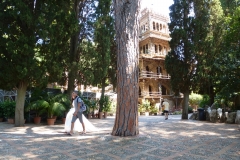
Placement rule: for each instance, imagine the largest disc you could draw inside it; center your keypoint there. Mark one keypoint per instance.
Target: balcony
(150, 75)
(152, 55)
(154, 95)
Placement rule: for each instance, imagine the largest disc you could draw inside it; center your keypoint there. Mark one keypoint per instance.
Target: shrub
(195, 99)
(9, 109)
(205, 101)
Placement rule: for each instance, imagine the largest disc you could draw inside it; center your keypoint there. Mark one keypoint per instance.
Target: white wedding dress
(77, 125)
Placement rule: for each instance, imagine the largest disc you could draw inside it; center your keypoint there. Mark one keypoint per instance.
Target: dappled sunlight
(156, 135)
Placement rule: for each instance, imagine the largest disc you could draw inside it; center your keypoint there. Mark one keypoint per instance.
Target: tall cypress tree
(188, 19)
(103, 37)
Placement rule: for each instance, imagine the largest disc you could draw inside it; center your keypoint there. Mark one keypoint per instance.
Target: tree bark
(185, 105)
(73, 53)
(19, 110)
(102, 95)
(127, 24)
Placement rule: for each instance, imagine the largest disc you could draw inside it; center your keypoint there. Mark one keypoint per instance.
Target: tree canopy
(33, 43)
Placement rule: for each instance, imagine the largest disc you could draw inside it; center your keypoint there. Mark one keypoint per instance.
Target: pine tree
(127, 26)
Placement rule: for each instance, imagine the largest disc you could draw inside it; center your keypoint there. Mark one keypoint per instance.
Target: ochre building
(154, 81)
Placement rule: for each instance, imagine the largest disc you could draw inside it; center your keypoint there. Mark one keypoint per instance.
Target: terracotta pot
(54, 117)
(50, 121)
(63, 120)
(10, 120)
(1, 119)
(100, 115)
(37, 120)
(105, 114)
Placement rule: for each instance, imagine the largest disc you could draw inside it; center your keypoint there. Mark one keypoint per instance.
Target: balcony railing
(153, 94)
(148, 74)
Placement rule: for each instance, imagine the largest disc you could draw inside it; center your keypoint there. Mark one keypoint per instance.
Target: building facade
(154, 81)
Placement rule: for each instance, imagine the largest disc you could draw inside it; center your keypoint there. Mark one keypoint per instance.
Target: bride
(77, 125)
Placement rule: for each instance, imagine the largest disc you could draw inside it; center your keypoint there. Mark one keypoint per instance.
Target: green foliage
(204, 102)
(51, 105)
(22, 25)
(145, 106)
(39, 106)
(153, 110)
(64, 99)
(54, 108)
(229, 6)
(1, 110)
(91, 105)
(141, 108)
(195, 99)
(107, 104)
(34, 39)
(8, 108)
(227, 62)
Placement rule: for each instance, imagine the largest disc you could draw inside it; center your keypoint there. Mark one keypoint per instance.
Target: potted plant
(9, 110)
(141, 109)
(54, 109)
(154, 111)
(65, 101)
(146, 106)
(39, 107)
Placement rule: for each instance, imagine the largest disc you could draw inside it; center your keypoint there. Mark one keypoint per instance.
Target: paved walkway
(172, 139)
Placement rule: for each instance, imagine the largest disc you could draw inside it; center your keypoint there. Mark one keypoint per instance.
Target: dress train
(89, 127)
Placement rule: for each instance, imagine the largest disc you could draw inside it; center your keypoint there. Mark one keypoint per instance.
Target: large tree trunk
(103, 83)
(19, 110)
(73, 54)
(127, 24)
(185, 105)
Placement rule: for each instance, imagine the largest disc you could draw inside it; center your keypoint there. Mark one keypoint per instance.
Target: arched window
(164, 90)
(164, 51)
(147, 69)
(156, 49)
(139, 91)
(146, 48)
(160, 89)
(160, 48)
(160, 27)
(146, 27)
(157, 26)
(159, 70)
(164, 29)
(153, 25)
(150, 90)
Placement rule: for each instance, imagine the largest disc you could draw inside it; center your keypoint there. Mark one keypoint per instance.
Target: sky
(160, 6)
